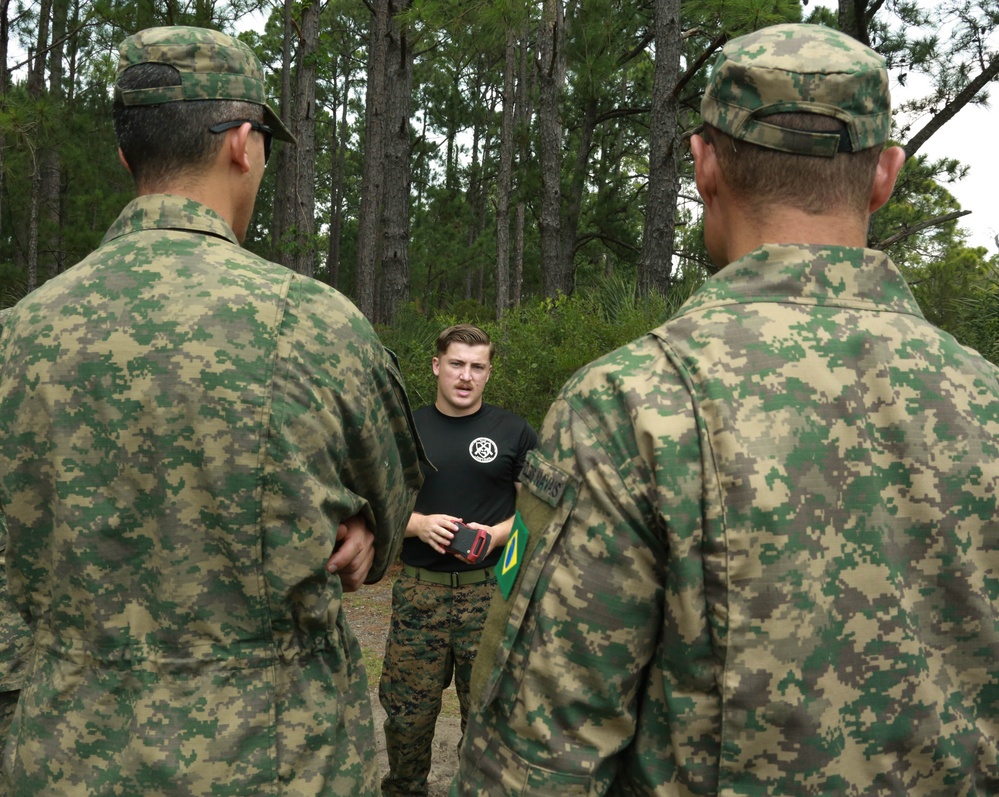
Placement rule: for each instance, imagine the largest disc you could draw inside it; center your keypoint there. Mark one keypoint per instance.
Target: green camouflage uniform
(183, 425)
(763, 555)
(15, 639)
(433, 638)
(15, 643)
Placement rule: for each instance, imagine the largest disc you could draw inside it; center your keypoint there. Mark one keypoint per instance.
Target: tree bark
(33, 213)
(482, 200)
(4, 89)
(504, 180)
(341, 138)
(655, 266)
(36, 87)
(475, 196)
(551, 79)
(517, 280)
(373, 169)
(284, 158)
(853, 19)
(398, 168)
(524, 112)
(471, 202)
(574, 196)
(36, 69)
(300, 236)
(53, 176)
(451, 135)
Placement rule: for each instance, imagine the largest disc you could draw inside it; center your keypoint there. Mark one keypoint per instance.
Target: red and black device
(470, 543)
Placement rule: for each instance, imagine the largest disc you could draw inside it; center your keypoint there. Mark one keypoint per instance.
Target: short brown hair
(161, 141)
(767, 177)
(469, 334)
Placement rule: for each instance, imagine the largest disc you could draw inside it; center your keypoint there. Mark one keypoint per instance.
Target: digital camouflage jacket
(182, 427)
(14, 635)
(15, 638)
(763, 556)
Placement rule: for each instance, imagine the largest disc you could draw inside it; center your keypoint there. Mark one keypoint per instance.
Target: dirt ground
(368, 612)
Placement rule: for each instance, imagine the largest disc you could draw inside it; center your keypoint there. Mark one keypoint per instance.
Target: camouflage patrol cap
(798, 68)
(211, 66)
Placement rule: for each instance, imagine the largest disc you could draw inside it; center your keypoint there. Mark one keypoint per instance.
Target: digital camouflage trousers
(434, 636)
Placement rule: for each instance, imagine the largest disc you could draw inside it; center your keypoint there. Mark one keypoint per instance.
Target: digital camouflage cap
(799, 68)
(211, 66)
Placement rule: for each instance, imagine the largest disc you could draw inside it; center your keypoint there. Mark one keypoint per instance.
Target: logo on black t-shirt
(483, 449)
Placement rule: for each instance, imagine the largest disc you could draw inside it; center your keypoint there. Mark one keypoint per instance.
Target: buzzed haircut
(161, 141)
(767, 177)
(469, 334)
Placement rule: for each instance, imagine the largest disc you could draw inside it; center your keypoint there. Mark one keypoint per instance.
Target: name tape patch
(544, 480)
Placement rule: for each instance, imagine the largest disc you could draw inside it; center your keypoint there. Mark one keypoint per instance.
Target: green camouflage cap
(212, 66)
(799, 68)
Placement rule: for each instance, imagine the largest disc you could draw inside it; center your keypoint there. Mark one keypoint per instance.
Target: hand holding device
(470, 543)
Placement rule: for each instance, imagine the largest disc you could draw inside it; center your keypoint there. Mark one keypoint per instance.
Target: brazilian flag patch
(513, 556)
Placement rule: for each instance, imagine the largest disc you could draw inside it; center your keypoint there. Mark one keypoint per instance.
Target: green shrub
(539, 344)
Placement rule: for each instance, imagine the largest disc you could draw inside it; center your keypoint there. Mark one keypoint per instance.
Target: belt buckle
(455, 579)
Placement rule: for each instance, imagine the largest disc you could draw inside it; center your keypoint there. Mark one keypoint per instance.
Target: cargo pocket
(509, 774)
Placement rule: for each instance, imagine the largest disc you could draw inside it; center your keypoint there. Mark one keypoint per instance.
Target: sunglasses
(260, 128)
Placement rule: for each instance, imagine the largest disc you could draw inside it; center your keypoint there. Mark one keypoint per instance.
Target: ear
(236, 144)
(889, 165)
(121, 157)
(705, 169)
(436, 366)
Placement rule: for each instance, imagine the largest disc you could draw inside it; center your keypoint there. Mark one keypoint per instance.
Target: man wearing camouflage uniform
(186, 433)
(764, 543)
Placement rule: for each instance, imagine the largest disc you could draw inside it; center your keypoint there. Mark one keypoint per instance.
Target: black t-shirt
(477, 459)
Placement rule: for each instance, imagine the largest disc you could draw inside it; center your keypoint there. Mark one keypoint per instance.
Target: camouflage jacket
(763, 556)
(15, 638)
(182, 427)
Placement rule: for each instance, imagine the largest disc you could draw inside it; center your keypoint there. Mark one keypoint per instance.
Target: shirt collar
(169, 212)
(810, 274)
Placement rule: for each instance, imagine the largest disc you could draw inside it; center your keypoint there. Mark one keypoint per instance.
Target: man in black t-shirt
(440, 602)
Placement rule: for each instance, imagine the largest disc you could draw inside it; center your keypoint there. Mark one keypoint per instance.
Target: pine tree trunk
(504, 181)
(471, 194)
(574, 197)
(36, 87)
(373, 169)
(655, 266)
(303, 221)
(852, 19)
(551, 78)
(341, 138)
(479, 202)
(35, 201)
(524, 112)
(516, 289)
(398, 166)
(284, 157)
(53, 182)
(4, 89)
